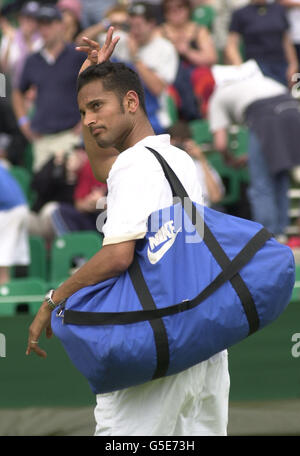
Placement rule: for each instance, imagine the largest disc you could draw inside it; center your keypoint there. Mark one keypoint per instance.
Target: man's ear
(131, 101)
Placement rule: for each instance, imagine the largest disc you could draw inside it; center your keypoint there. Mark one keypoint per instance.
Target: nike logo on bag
(166, 235)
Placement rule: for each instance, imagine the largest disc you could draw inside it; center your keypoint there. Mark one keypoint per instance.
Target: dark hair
(187, 3)
(115, 77)
(143, 9)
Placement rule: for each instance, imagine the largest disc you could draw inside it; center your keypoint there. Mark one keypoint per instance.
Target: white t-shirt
(161, 57)
(137, 187)
(232, 97)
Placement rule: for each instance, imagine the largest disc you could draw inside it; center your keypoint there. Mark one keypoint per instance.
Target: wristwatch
(48, 298)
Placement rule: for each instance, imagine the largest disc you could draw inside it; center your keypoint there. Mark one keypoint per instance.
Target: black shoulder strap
(215, 248)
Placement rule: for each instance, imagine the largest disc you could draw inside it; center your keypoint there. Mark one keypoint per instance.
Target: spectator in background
(12, 6)
(71, 13)
(195, 48)
(223, 12)
(82, 214)
(55, 124)
(116, 17)
(244, 95)
(14, 244)
(293, 15)
(155, 60)
(93, 11)
(209, 179)
(141, 47)
(54, 184)
(263, 27)
(156, 6)
(153, 57)
(17, 43)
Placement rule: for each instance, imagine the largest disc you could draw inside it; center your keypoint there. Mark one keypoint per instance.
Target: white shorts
(191, 403)
(14, 244)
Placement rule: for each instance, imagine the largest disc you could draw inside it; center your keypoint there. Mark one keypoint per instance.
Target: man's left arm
(111, 261)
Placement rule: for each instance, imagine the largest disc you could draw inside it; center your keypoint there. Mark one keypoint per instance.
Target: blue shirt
(262, 28)
(11, 194)
(56, 106)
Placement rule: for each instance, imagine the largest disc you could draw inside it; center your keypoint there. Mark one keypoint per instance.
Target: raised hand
(95, 54)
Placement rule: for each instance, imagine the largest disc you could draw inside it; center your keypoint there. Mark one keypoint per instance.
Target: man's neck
(137, 133)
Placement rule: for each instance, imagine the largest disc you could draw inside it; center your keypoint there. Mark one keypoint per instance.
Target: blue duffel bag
(201, 281)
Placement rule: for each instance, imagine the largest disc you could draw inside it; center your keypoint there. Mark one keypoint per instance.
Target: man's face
(28, 25)
(140, 29)
(102, 113)
(51, 32)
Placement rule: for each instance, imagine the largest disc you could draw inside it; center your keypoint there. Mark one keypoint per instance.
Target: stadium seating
(22, 291)
(38, 266)
(83, 244)
(23, 176)
(38, 258)
(46, 271)
(237, 140)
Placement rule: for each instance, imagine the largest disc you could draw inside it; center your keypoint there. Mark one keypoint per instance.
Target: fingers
(113, 44)
(90, 43)
(41, 321)
(33, 346)
(83, 48)
(107, 49)
(92, 49)
(110, 43)
(109, 36)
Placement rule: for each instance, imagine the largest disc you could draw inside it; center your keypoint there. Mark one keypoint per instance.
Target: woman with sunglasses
(194, 45)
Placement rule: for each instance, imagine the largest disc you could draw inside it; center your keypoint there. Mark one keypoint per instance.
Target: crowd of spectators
(172, 44)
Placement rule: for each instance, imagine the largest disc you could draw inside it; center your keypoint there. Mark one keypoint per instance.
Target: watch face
(48, 296)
